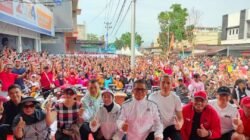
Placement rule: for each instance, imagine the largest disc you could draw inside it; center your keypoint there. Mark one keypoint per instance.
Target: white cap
(108, 91)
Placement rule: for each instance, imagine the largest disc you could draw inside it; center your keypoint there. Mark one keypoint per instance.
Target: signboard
(44, 20)
(58, 2)
(35, 17)
(7, 7)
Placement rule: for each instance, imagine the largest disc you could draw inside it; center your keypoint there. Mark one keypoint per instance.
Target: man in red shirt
(47, 79)
(245, 116)
(7, 77)
(201, 121)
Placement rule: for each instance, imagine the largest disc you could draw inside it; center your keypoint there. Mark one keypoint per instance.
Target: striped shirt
(66, 116)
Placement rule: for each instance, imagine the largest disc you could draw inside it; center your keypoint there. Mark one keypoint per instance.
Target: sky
(96, 12)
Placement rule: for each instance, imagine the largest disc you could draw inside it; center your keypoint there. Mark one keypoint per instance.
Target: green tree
(92, 37)
(172, 21)
(125, 40)
(118, 43)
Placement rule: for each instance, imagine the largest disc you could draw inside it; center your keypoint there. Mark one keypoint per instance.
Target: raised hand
(202, 132)
(93, 123)
(238, 124)
(1, 107)
(48, 105)
(125, 126)
(21, 123)
(81, 110)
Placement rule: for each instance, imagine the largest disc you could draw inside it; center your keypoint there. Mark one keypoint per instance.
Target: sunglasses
(29, 106)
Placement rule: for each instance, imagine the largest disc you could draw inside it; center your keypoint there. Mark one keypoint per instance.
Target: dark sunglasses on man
(29, 106)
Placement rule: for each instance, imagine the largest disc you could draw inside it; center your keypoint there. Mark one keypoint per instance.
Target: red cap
(200, 94)
(246, 101)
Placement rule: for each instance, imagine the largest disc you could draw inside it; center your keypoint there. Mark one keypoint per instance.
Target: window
(233, 32)
(229, 32)
(237, 31)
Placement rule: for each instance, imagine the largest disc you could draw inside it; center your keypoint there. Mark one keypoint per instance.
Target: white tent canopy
(120, 51)
(127, 52)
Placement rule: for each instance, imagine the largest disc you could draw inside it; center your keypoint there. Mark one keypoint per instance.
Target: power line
(110, 9)
(123, 5)
(99, 14)
(107, 7)
(113, 17)
(124, 17)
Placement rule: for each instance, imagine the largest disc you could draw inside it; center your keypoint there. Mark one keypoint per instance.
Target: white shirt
(167, 105)
(107, 122)
(196, 86)
(226, 115)
(142, 117)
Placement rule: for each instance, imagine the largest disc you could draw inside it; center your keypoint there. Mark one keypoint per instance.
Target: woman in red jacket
(201, 121)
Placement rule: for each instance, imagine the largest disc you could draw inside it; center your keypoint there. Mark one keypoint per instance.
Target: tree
(92, 37)
(192, 23)
(118, 43)
(194, 17)
(193, 20)
(190, 33)
(125, 40)
(172, 21)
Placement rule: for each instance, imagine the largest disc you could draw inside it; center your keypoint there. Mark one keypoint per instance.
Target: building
(204, 38)
(236, 32)
(87, 44)
(23, 24)
(65, 19)
(207, 36)
(81, 29)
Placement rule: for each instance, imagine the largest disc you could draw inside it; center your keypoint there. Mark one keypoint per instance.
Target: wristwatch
(209, 134)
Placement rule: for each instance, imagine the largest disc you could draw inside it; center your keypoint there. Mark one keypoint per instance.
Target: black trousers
(226, 136)
(85, 131)
(150, 136)
(5, 129)
(169, 132)
(60, 136)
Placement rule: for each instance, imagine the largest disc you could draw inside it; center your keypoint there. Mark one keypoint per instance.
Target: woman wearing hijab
(32, 123)
(104, 123)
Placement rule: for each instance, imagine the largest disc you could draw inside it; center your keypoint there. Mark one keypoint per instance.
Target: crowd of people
(198, 98)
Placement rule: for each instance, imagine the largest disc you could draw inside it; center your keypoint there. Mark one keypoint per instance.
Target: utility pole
(107, 26)
(168, 40)
(133, 19)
